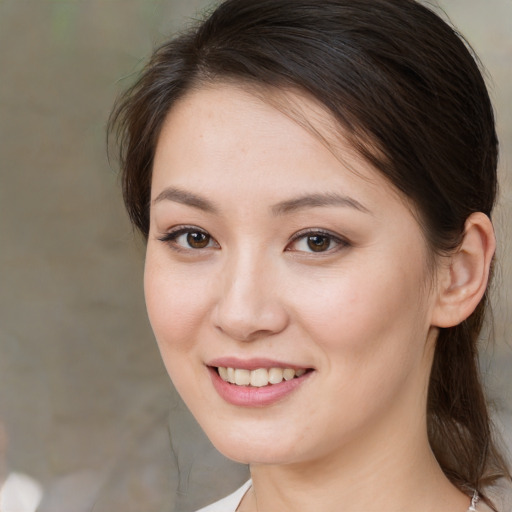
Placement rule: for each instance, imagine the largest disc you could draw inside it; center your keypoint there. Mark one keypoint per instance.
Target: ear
(463, 281)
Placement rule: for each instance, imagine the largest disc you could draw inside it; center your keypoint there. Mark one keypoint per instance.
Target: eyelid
(173, 233)
(338, 239)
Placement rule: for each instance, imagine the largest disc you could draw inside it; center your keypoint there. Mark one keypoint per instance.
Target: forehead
(214, 117)
(242, 132)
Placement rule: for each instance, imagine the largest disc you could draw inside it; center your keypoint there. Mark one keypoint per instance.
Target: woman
(315, 182)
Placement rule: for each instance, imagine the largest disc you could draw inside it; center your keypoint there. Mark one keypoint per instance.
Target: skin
(362, 315)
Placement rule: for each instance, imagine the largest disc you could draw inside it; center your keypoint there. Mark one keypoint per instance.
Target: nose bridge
(249, 304)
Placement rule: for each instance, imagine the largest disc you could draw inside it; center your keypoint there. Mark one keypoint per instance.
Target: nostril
(239, 333)
(247, 310)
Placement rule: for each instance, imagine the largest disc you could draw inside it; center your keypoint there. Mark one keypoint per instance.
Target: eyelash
(172, 236)
(309, 233)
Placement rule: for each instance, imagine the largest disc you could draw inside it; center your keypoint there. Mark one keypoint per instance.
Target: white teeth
(242, 377)
(275, 375)
(223, 372)
(288, 374)
(258, 378)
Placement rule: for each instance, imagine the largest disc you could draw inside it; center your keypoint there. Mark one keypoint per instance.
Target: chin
(247, 447)
(248, 453)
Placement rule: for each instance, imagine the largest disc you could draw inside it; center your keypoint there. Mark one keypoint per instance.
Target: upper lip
(253, 363)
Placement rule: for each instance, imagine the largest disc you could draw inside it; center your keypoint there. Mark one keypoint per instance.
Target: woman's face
(302, 279)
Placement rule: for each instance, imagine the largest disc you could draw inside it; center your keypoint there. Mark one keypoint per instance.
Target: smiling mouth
(260, 377)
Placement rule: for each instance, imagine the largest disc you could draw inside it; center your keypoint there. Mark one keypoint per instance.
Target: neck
(393, 469)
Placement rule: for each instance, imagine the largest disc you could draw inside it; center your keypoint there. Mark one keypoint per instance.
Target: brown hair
(392, 73)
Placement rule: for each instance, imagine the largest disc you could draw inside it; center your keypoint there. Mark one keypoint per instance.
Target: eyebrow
(186, 198)
(282, 208)
(317, 200)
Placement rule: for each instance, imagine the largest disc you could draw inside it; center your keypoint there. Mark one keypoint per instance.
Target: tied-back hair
(409, 96)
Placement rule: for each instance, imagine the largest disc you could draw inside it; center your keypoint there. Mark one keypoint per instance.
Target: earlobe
(464, 280)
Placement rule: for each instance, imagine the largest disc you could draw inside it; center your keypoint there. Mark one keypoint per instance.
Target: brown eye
(318, 243)
(198, 240)
(188, 237)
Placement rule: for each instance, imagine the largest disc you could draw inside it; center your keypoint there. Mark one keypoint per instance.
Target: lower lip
(249, 396)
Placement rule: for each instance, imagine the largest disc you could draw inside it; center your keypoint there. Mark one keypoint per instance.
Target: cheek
(174, 303)
(374, 314)
(176, 308)
(371, 329)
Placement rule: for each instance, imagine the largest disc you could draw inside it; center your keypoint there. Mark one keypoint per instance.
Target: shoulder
(229, 503)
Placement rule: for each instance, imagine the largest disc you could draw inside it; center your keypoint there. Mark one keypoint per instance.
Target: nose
(250, 304)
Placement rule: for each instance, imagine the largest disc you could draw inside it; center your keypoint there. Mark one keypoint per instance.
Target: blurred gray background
(85, 403)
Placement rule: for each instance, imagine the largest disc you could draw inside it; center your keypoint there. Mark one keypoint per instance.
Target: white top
(232, 502)
(229, 503)
(20, 493)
